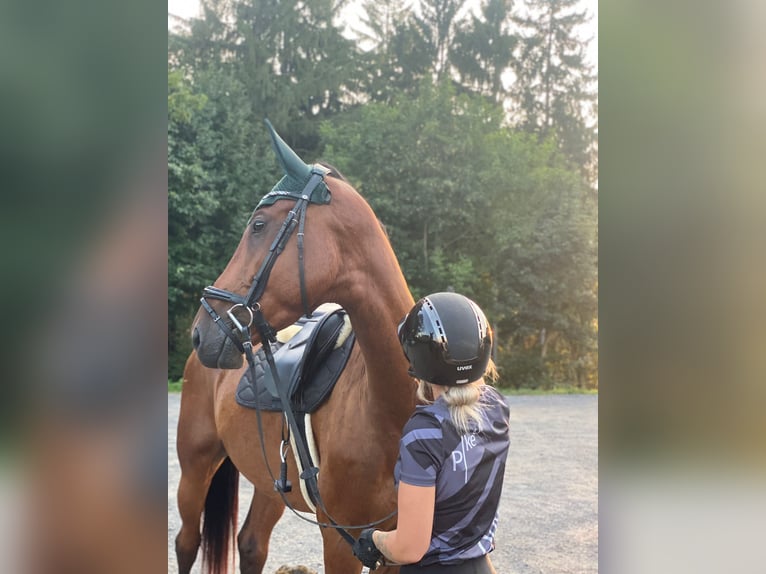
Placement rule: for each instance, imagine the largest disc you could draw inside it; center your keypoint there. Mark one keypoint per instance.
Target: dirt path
(549, 508)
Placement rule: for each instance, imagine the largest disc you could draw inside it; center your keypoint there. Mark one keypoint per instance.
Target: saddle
(309, 363)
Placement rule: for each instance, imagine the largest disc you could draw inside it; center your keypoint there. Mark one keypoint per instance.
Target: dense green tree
(553, 89)
(391, 48)
(438, 23)
(296, 64)
(189, 203)
(483, 49)
(486, 211)
(411, 57)
(442, 40)
(213, 177)
(419, 164)
(412, 40)
(545, 264)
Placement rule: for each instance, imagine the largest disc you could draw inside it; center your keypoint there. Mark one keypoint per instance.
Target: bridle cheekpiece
(314, 191)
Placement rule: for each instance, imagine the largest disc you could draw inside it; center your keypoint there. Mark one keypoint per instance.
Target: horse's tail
(220, 522)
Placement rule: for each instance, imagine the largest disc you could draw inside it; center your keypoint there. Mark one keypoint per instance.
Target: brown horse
(349, 261)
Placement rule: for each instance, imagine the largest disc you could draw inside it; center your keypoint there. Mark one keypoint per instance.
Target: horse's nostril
(195, 338)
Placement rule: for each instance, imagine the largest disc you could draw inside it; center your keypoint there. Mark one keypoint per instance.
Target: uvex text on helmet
(446, 339)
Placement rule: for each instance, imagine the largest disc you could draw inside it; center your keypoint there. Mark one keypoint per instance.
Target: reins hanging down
(242, 340)
(309, 475)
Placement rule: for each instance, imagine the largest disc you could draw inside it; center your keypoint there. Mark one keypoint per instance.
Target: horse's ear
(297, 175)
(292, 165)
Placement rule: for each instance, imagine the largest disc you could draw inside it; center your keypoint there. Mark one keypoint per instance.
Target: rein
(243, 342)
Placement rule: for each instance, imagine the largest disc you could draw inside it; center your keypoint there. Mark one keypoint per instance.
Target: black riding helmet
(446, 339)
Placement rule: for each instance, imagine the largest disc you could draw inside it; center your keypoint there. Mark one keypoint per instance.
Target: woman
(453, 449)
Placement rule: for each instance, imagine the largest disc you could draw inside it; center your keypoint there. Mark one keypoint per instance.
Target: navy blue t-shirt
(466, 470)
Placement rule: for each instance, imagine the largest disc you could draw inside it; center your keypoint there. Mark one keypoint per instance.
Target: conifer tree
(295, 62)
(390, 64)
(553, 88)
(438, 24)
(483, 50)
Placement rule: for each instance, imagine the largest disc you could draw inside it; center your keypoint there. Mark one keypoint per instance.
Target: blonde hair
(463, 400)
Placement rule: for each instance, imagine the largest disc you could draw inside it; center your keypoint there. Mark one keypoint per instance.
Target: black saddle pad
(308, 366)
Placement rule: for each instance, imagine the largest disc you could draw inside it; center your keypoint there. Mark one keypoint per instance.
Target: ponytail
(463, 400)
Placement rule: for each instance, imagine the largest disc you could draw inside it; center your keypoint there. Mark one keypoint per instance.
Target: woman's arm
(409, 542)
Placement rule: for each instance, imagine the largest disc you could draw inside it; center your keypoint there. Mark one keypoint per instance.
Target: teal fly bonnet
(297, 175)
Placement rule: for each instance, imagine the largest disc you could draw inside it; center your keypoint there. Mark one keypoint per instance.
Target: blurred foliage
(418, 123)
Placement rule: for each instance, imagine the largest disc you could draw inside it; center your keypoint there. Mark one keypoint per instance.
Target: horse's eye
(258, 225)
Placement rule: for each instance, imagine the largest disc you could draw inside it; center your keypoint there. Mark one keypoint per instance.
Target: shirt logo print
(467, 442)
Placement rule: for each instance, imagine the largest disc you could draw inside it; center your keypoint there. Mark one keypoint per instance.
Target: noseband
(250, 302)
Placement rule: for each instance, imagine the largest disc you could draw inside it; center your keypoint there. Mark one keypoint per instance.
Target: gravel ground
(548, 511)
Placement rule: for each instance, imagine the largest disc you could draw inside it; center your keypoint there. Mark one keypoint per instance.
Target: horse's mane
(334, 171)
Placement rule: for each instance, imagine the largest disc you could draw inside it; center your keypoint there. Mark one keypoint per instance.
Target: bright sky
(188, 8)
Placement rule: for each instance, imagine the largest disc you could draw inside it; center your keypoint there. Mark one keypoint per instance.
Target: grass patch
(174, 386)
(556, 390)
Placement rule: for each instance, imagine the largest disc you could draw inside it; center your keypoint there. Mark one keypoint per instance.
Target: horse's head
(287, 262)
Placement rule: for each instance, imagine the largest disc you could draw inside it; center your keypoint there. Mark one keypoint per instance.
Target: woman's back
(467, 471)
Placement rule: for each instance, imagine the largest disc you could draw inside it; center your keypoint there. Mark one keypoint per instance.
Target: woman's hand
(366, 551)
(412, 537)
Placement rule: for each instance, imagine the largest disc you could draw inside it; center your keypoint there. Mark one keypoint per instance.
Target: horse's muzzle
(214, 349)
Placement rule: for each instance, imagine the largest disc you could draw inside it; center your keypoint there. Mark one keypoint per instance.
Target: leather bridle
(251, 302)
(242, 339)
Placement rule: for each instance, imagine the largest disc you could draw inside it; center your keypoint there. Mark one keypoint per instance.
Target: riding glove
(366, 551)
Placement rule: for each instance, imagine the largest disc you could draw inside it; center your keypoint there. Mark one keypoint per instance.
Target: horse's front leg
(338, 558)
(253, 539)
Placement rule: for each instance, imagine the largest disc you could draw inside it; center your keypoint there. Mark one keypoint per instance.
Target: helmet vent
(436, 321)
(479, 321)
(424, 331)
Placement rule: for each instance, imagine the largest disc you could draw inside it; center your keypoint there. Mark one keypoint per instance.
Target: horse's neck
(375, 306)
